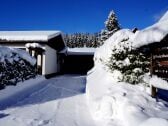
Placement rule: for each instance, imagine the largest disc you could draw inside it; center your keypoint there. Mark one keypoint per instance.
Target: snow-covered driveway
(61, 102)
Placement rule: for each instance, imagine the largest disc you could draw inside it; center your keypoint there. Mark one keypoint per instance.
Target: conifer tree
(112, 22)
(130, 62)
(111, 26)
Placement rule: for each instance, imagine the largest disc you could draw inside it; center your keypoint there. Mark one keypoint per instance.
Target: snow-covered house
(44, 45)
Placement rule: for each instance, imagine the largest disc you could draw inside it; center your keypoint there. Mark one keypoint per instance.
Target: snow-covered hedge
(15, 65)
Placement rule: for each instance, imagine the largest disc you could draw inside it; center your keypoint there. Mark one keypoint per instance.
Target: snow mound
(159, 83)
(154, 33)
(155, 122)
(104, 52)
(110, 101)
(164, 17)
(6, 53)
(121, 104)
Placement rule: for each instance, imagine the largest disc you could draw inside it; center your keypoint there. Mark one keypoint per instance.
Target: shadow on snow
(53, 89)
(2, 115)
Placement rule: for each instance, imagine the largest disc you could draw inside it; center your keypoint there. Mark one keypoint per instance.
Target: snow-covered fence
(159, 61)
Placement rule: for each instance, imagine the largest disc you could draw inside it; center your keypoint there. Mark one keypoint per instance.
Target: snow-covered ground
(115, 103)
(121, 104)
(62, 101)
(59, 102)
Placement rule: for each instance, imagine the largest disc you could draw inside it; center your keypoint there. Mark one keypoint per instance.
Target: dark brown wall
(57, 43)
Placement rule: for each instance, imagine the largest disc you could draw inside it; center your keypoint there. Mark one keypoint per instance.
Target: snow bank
(104, 52)
(155, 122)
(7, 53)
(12, 94)
(154, 33)
(121, 104)
(25, 55)
(110, 101)
(158, 83)
(164, 17)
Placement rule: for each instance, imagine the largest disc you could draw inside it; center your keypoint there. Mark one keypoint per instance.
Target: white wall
(49, 61)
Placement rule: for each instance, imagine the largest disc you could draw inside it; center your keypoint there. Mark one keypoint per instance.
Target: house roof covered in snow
(154, 33)
(28, 35)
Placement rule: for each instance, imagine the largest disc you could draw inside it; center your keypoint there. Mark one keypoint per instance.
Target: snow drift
(6, 54)
(118, 103)
(154, 33)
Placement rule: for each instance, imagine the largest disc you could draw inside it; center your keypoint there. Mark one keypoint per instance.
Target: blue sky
(72, 16)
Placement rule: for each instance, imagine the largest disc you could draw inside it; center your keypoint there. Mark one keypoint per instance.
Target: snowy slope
(61, 102)
(121, 104)
(113, 103)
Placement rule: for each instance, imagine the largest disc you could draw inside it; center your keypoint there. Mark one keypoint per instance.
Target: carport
(78, 60)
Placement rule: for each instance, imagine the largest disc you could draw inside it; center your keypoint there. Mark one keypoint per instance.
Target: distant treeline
(82, 40)
(97, 39)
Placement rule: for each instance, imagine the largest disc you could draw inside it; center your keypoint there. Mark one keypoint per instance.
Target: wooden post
(152, 64)
(153, 91)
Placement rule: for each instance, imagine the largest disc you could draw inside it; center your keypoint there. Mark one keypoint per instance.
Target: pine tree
(112, 22)
(130, 62)
(111, 26)
(81, 40)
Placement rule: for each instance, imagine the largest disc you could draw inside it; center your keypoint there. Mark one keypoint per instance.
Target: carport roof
(81, 51)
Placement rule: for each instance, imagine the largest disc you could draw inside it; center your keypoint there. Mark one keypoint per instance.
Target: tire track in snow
(69, 109)
(32, 94)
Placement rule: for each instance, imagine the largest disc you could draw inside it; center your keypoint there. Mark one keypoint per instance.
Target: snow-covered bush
(131, 62)
(15, 65)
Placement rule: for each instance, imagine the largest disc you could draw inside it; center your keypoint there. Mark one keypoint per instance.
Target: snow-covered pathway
(60, 103)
